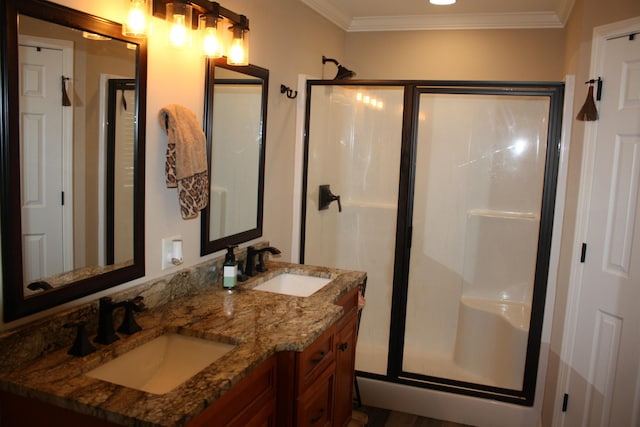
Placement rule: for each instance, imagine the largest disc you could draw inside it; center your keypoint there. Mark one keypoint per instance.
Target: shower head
(343, 72)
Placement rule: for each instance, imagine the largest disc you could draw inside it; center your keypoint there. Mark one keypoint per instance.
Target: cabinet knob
(343, 346)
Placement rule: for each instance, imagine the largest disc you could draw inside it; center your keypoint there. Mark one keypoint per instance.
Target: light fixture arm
(203, 7)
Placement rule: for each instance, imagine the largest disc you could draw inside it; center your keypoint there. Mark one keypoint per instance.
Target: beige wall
(519, 55)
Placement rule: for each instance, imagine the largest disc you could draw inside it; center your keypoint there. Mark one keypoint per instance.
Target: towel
(186, 158)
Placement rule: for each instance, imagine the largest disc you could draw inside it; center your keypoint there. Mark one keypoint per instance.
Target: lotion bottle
(229, 270)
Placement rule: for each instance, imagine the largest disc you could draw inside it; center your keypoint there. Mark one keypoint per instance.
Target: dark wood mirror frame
(15, 303)
(207, 245)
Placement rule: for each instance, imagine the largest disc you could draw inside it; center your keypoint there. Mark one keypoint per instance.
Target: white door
(604, 381)
(41, 122)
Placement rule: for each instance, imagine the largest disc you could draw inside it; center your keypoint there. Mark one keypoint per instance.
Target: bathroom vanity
(292, 363)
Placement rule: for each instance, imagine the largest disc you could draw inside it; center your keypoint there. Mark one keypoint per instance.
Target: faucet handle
(81, 345)
(129, 325)
(260, 266)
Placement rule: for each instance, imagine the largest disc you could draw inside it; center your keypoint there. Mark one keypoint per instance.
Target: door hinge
(565, 402)
(62, 198)
(583, 252)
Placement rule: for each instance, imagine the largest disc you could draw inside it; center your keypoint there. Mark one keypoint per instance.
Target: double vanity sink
(162, 364)
(192, 350)
(296, 285)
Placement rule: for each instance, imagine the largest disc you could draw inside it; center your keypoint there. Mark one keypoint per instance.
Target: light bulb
(179, 17)
(178, 32)
(137, 21)
(236, 53)
(239, 49)
(212, 45)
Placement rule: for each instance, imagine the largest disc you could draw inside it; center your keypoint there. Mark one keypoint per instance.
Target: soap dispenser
(229, 269)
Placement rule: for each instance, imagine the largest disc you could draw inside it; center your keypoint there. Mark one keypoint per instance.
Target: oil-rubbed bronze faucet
(129, 325)
(106, 331)
(81, 345)
(251, 268)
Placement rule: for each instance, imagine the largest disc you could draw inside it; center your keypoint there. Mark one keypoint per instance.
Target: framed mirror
(72, 154)
(235, 126)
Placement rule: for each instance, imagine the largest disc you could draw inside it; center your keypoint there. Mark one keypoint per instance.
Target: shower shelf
(503, 214)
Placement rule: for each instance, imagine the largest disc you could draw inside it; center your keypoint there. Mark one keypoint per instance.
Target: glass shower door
(479, 175)
(354, 140)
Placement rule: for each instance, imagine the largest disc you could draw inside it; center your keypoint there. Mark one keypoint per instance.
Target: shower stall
(444, 194)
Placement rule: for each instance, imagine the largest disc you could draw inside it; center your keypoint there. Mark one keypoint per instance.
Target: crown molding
(564, 10)
(330, 12)
(456, 22)
(443, 21)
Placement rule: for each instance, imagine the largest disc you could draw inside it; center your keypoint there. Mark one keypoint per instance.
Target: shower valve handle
(325, 197)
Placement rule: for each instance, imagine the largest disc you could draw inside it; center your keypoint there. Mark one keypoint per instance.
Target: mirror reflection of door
(120, 170)
(45, 131)
(88, 60)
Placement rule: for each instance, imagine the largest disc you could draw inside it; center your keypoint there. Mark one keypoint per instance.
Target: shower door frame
(412, 90)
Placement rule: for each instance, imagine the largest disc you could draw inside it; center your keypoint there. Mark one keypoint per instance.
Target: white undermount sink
(161, 364)
(298, 285)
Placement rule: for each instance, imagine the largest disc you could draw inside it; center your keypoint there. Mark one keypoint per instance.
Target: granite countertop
(258, 323)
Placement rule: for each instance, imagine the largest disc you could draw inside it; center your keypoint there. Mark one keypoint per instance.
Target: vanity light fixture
(220, 31)
(138, 22)
(442, 2)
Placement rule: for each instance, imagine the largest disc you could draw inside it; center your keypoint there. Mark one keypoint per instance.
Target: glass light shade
(179, 18)
(212, 43)
(138, 19)
(442, 2)
(239, 49)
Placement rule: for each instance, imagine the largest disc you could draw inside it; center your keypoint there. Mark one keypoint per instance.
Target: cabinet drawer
(315, 406)
(315, 359)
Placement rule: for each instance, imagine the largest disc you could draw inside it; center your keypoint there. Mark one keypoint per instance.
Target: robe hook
(291, 94)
